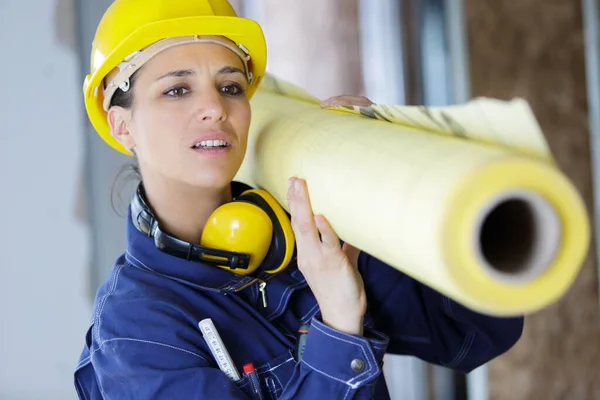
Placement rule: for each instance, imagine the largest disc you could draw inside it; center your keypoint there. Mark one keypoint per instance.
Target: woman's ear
(118, 119)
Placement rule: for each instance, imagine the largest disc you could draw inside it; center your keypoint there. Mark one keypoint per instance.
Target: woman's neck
(182, 210)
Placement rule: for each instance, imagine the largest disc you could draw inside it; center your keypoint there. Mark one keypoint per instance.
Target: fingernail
(298, 184)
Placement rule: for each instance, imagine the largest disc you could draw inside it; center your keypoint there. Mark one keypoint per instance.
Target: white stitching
(148, 342)
(311, 313)
(347, 393)
(265, 367)
(100, 305)
(359, 344)
(143, 266)
(351, 342)
(459, 352)
(105, 298)
(464, 350)
(279, 365)
(280, 388)
(81, 389)
(284, 297)
(467, 349)
(376, 336)
(135, 258)
(271, 386)
(448, 307)
(355, 385)
(83, 362)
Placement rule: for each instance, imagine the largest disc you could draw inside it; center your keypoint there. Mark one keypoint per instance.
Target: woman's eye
(177, 92)
(232, 90)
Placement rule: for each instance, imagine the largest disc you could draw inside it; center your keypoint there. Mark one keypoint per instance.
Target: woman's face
(190, 116)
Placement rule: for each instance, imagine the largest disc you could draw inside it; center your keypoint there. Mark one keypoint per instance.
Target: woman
(171, 84)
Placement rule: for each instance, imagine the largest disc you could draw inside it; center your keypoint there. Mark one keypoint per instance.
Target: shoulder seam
(100, 309)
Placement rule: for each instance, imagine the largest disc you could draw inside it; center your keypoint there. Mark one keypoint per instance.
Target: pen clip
(301, 341)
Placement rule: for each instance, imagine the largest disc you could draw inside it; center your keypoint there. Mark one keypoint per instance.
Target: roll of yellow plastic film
(465, 199)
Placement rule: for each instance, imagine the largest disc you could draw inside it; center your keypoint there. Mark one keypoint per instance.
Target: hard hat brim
(242, 31)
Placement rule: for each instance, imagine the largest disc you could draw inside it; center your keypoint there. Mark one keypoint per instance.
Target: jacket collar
(142, 253)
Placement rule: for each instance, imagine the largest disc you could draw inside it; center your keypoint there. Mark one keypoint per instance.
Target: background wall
(535, 49)
(315, 43)
(44, 306)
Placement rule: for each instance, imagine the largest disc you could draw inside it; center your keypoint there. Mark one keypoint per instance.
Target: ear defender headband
(251, 231)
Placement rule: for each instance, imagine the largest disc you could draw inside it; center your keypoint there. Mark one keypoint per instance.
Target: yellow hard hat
(129, 26)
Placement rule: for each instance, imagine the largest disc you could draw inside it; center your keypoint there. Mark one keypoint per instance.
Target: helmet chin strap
(137, 59)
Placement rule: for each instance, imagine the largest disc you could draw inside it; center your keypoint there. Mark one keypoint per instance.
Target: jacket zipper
(262, 288)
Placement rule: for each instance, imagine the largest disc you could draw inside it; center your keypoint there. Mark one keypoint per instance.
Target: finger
(328, 236)
(351, 252)
(336, 101)
(303, 223)
(327, 102)
(346, 101)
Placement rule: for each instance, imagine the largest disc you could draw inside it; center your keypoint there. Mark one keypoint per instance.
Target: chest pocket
(273, 377)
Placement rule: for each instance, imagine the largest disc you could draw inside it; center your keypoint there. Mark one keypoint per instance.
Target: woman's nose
(210, 107)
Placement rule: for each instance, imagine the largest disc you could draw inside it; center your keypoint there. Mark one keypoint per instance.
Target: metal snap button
(357, 365)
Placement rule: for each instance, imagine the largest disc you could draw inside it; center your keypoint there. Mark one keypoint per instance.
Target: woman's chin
(206, 173)
(208, 179)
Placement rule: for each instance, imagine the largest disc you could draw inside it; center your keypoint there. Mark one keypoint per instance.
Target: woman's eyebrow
(231, 70)
(178, 73)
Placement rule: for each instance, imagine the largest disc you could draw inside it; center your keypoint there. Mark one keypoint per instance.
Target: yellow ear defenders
(251, 231)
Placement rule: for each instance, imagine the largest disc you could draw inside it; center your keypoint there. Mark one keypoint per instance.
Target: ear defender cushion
(281, 251)
(239, 226)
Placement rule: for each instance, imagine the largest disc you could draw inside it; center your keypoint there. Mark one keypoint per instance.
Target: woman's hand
(329, 268)
(346, 101)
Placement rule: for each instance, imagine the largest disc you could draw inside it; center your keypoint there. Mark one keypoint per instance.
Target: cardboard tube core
(517, 236)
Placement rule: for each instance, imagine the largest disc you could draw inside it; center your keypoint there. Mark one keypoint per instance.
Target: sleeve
(423, 323)
(335, 365)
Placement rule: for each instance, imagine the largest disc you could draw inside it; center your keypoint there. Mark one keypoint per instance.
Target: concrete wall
(535, 49)
(43, 253)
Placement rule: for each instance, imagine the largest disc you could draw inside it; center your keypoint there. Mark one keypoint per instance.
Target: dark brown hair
(130, 171)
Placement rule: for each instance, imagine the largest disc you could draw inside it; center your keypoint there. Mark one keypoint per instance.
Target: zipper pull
(262, 289)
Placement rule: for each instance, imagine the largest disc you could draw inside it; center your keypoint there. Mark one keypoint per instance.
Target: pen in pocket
(301, 341)
(253, 377)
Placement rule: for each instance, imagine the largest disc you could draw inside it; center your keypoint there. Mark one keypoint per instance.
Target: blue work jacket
(144, 341)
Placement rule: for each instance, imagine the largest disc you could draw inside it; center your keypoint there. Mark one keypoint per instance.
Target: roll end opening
(518, 236)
